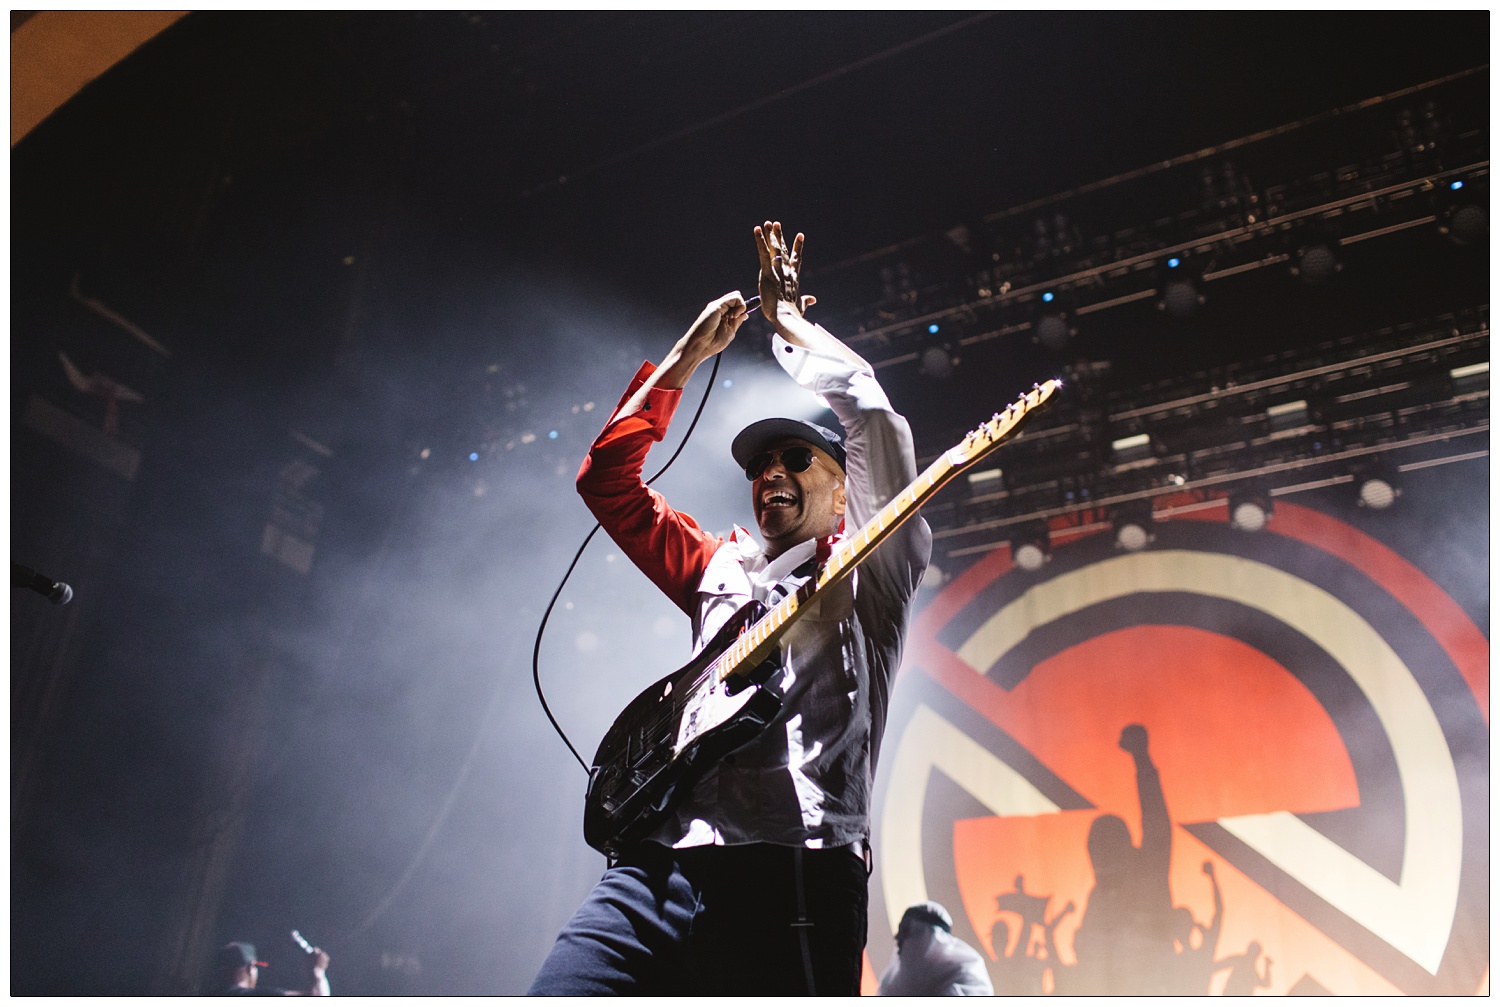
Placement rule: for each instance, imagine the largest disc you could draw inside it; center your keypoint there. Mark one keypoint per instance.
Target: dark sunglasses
(794, 459)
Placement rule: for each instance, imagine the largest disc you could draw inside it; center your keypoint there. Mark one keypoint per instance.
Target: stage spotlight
(1462, 215)
(1134, 525)
(1316, 263)
(1465, 223)
(1470, 378)
(933, 328)
(1052, 321)
(1249, 509)
(1376, 493)
(938, 362)
(1376, 484)
(1130, 449)
(1178, 288)
(985, 480)
(1052, 330)
(1180, 297)
(1287, 415)
(1031, 546)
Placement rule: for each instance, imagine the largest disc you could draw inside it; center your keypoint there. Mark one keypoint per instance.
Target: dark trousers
(718, 921)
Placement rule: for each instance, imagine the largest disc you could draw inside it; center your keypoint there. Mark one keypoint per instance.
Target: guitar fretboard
(754, 645)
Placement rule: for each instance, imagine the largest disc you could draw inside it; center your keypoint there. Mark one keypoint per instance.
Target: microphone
(54, 591)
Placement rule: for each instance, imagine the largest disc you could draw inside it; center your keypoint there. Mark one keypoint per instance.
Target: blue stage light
(552, 434)
(933, 328)
(474, 456)
(1173, 262)
(1456, 185)
(1048, 296)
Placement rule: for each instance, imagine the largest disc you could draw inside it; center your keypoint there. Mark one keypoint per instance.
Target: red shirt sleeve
(667, 545)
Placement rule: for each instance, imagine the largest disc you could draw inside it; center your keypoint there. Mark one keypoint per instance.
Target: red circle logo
(1229, 763)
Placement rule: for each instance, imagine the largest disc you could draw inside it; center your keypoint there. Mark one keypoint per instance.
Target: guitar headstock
(988, 435)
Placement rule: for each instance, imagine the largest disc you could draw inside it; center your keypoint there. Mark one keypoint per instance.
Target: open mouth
(777, 500)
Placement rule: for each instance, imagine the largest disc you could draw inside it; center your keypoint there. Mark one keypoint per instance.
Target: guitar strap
(808, 570)
(823, 550)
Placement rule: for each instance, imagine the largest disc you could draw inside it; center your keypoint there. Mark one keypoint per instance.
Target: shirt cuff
(833, 377)
(655, 411)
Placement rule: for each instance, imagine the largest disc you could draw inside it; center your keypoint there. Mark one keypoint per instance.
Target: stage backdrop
(1229, 763)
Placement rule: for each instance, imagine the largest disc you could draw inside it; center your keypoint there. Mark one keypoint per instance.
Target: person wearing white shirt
(756, 883)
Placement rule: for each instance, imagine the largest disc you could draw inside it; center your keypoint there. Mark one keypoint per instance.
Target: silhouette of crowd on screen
(1131, 938)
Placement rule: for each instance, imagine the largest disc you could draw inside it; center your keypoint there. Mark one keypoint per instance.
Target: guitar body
(669, 735)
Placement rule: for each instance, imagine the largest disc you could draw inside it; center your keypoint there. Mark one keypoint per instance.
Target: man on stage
(757, 882)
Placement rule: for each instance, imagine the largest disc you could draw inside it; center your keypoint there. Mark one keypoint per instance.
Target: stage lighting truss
(1358, 412)
(1132, 265)
(1302, 224)
(1416, 392)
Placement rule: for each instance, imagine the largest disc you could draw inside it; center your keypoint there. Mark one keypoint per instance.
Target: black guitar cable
(536, 676)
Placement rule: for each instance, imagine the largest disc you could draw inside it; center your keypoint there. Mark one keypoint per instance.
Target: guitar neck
(755, 645)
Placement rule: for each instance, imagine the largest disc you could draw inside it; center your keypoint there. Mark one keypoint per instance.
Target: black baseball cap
(757, 435)
(236, 955)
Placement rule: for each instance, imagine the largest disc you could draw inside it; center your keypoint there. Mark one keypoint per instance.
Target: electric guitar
(674, 731)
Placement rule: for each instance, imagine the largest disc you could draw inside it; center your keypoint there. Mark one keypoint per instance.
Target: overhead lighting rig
(1304, 224)
(1362, 412)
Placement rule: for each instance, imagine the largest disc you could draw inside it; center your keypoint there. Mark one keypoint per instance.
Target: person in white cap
(930, 961)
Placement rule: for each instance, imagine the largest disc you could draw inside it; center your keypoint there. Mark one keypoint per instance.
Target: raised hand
(780, 271)
(1133, 739)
